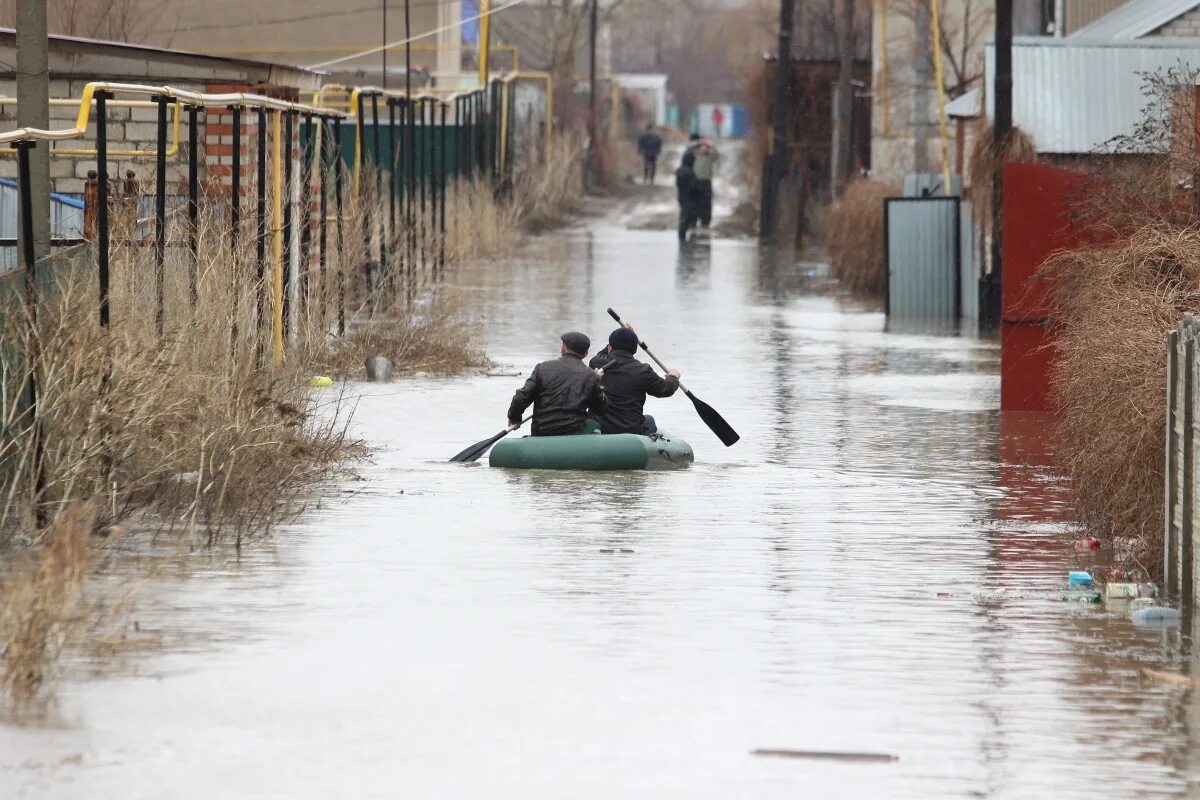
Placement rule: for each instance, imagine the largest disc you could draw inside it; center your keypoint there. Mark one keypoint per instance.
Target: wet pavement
(874, 568)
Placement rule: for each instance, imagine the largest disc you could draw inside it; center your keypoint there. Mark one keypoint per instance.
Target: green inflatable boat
(593, 451)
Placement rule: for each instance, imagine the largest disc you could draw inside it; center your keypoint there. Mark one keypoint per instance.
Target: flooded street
(875, 568)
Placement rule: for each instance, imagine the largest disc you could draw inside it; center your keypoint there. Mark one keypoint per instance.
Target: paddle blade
(476, 450)
(715, 421)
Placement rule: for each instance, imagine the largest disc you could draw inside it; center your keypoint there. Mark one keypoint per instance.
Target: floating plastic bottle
(1156, 615)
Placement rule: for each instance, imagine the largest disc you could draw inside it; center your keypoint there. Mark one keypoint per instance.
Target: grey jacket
(705, 162)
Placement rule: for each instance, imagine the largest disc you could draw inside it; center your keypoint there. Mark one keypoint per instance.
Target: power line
(373, 7)
(372, 51)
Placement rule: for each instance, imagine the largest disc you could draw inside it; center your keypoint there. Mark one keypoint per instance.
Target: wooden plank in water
(827, 755)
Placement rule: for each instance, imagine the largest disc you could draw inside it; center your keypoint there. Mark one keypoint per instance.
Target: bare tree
(117, 20)
(965, 24)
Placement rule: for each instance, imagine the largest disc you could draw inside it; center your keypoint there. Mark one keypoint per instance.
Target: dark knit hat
(577, 342)
(623, 339)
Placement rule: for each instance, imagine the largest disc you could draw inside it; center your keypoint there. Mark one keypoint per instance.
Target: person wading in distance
(649, 146)
(689, 194)
(627, 381)
(562, 390)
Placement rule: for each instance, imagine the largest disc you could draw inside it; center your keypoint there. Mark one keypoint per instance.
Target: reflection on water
(875, 567)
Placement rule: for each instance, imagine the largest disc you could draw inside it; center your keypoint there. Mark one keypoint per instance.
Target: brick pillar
(217, 157)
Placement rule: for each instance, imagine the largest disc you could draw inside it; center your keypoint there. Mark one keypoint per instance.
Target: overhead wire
(372, 51)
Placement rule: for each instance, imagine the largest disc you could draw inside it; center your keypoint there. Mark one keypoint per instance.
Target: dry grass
(42, 609)
(205, 430)
(853, 228)
(1113, 307)
(431, 340)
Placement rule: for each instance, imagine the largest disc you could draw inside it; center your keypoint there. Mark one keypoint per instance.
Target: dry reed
(853, 228)
(1112, 309)
(201, 422)
(42, 608)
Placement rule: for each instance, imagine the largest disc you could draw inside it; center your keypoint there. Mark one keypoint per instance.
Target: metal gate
(923, 258)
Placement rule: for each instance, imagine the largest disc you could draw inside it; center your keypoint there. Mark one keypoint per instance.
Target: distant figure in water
(649, 145)
(627, 381)
(707, 157)
(689, 194)
(562, 390)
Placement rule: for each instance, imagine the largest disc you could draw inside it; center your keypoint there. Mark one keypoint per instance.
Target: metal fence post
(160, 216)
(193, 204)
(373, 280)
(391, 226)
(235, 222)
(103, 234)
(341, 242)
(323, 243)
(29, 259)
(288, 131)
(1171, 530)
(307, 153)
(1188, 466)
(441, 205)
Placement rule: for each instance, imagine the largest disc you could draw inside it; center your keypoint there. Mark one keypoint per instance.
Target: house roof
(75, 56)
(1076, 96)
(1135, 19)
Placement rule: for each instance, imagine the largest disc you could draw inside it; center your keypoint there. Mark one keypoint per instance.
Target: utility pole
(33, 111)
(781, 107)
(385, 42)
(590, 161)
(843, 106)
(921, 91)
(990, 291)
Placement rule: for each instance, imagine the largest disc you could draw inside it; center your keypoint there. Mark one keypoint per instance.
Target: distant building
(905, 99)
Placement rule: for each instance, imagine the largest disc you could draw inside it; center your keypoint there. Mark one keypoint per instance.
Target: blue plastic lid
(1079, 578)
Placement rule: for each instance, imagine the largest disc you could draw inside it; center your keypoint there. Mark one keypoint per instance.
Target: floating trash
(322, 381)
(1156, 616)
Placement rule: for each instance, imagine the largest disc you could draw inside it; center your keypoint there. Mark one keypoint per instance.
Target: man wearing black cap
(627, 381)
(562, 392)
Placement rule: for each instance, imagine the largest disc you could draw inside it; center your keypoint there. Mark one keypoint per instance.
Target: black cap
(624, 339)
(577, 342)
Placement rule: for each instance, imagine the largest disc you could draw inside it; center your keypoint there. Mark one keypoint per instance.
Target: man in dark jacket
(649, 145)
(562, 392)
(689, 194)
(627, 381)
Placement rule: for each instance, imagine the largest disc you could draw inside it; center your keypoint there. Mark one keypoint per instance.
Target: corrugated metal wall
(923, 258)
(1074, 95)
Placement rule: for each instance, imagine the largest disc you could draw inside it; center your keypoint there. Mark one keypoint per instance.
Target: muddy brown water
(874, 569)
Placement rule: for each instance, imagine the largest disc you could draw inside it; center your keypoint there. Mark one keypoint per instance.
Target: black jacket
(627, 383)
(649, 144)
(687, 187)
(562, 391)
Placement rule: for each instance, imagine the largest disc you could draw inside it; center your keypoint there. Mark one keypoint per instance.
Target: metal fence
(66, 222)
(923, 255)
(1183, 418)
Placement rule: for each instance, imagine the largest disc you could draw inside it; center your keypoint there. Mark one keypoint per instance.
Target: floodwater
(874, 568)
